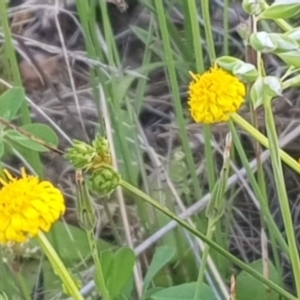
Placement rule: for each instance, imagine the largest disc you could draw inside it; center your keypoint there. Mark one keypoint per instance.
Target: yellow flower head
(214, 95)
(27, 205)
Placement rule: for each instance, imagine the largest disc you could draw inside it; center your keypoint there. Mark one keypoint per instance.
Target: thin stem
(282, 194)
(260, 167)
(59, 267)
(196, 36)
(212, 244)
(208, 31)
(99, 277)
(226, 27)
(264, 141)
(3, 272)
(87, 21)
(210, 230)
(23, 287)
(209, 159)
(258, 192)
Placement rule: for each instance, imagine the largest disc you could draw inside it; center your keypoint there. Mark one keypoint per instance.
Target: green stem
(264, 141)
(208, 31)
(87, 20)
(258, 192)
(161, 15)
(212, 244)
(59, 267)
(210, 230)
(23, 287)
(282, 194)
(209, 158)
(196, 36)
(4, 273)
(32, 156)
(99, 276)
(226, 27)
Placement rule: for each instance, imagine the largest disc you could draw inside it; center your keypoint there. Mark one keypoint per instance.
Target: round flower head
(27, 205)
(214, 95)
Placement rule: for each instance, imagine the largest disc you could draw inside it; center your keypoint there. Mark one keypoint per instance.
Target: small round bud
(105, 180)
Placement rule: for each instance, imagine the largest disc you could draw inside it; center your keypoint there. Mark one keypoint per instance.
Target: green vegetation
(190, 219)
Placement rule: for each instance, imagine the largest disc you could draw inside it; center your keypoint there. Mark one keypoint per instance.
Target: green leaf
(1, 149)
(272, 86)
(244, 71)
(117, 269)
(185, 291)
(121, 271)
(249, 288)
(281, 9)
(128, 132)
(162, 256)
(107, 258)
(283, 42)
(291, 58)
(257, 92)
(273, 42)
(294, 34)
(10, 102)
(42, 131)
(8, 284)
(265, 88)
(261, 41)
(24, 141)
(228, 62)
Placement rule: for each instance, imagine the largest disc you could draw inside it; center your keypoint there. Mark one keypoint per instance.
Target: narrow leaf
(162, 256)
(121, 272)
(249, 288)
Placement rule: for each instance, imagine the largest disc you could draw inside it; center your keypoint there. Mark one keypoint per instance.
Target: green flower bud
(85, 210)
(253, 7)
(105, 180)
(103, 155)
(80, 155)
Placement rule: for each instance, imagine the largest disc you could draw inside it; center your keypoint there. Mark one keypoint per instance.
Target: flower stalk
(282, 194)
(209, 242)
(59, 267)
(99, 276)
(265, 141)
(215, 211)
(87, 219)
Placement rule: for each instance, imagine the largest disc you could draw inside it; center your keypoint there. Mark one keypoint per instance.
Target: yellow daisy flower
(27, 205)
(214, 95)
